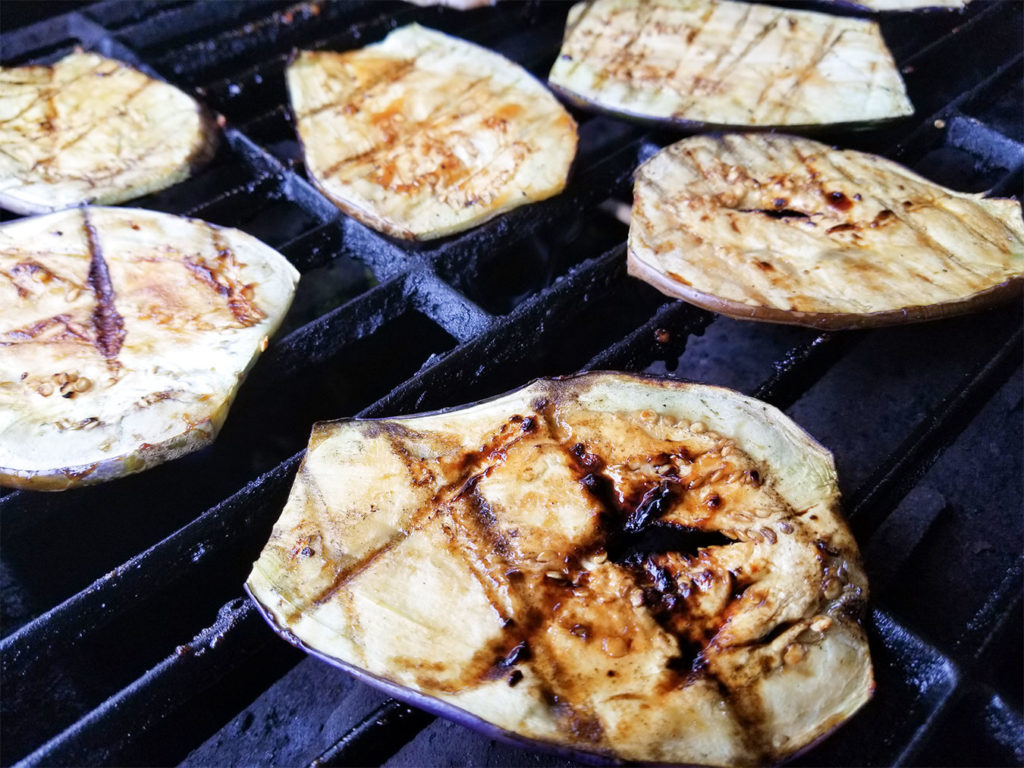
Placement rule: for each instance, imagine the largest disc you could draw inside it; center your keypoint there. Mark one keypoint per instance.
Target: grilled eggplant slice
(89, 129)
(788, 230)
(423, 135)
(721, 63)
(607, 564)
(124, 335)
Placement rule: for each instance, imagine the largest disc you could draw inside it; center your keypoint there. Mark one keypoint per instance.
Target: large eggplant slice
(606, 564)
(93, 130)
(722, 63)
(784, 229)
(422, 135)
(124, 335)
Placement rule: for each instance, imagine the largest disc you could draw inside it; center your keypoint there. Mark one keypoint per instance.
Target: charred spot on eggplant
(627, 578)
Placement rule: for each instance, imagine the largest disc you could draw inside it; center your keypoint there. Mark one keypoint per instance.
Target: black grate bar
(911, 145)
(977, 13)
(255, 506)
(115, 14)
(151, 23)
(663, 337)
(1011, 185)
(920, 749)
(278, 33)
(37, 40)
(505, 344)
(35, 653)
(979, 139)
(104, 733)
(985, 624)
(911, 460)
(459, 316)
(804, 365)
(314, 248)
(318, 341)
(376, 738)
(998, 24)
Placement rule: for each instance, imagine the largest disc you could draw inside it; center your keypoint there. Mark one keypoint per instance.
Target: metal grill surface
(125, 636)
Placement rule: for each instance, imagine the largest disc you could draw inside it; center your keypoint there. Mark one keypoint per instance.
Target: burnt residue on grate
(120, 603)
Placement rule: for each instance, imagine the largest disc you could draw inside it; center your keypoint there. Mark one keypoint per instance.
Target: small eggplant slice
(787, 230)
(423, 135)
(89, 129)
(124, 335)
(722, 63)
(607, 564)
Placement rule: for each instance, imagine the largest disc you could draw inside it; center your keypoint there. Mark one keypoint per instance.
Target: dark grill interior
(126, 639)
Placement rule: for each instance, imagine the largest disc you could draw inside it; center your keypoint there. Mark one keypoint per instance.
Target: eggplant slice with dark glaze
(611, 565)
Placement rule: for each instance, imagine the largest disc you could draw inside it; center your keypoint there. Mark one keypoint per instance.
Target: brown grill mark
(47, 93)
(106, 320)
(73, 331)
(389, 74)
(24, 273)
(829, 41)
(720, 61)
(395, 136)
(89, 128)
(218, 275)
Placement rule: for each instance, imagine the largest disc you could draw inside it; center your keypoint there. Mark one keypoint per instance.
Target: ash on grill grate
(137, 639)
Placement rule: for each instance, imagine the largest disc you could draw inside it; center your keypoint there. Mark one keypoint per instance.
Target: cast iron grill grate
(125, 639)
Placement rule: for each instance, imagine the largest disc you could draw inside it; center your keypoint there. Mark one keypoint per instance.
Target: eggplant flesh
(423, 135)
(607, 564)
(89, 129)
(124, 335)
(785, 229)
(722, 63)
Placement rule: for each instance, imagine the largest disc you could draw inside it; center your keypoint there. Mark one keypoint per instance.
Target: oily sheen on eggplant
(423, 135)
(723, 63)
(627, 567)
(788, 230)
(124, 335)
(89, 129)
